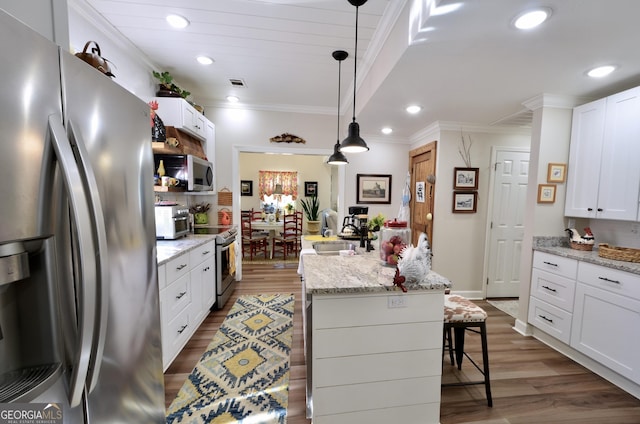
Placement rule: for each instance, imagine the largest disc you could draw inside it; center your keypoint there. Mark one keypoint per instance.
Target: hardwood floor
(531, 383)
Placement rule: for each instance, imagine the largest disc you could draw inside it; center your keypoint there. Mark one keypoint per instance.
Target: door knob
(429, 216)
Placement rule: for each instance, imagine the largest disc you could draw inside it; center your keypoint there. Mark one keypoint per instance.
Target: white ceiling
(471, 68)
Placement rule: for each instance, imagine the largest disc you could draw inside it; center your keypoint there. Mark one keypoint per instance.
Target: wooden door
(422, 164)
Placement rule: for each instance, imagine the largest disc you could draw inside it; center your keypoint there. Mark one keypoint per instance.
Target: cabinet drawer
(177, 267)
(201, 253)
(553, 321)
(555, 264)
(615, 281)
(177, 296)
(336, 311)
(554, 289)
(175, 335)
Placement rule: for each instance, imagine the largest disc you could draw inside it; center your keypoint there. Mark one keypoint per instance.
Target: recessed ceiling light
(233, 99)
(387, 130)
(177, 21)
(204, 60)
(532, 18)
(413, 109)
(601, 71)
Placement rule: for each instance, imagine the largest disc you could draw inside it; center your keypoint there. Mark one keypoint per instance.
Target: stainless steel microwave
(193, 173)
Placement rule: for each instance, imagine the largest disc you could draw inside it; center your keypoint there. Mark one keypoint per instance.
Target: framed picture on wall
(546, 193)
(556, 172)
(373, 188)
(246, 188)
(465, 178)
(310, 188)
(465, 201)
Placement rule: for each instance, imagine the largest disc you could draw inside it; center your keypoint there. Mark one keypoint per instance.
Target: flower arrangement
(289, 208)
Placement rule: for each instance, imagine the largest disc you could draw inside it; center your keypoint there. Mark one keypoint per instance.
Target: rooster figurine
(575, 237)
(415, 262)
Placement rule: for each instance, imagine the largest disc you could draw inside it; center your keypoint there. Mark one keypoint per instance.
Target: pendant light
(338, 158)
(354, 143)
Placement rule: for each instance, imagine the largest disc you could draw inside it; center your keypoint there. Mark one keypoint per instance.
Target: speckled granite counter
(560, 246)
(361, 273)
(168, 249)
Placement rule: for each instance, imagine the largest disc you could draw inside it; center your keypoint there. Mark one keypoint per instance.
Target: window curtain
(267, 181)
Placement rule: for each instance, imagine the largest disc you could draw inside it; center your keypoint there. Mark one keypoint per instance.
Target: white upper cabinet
(178, 113)
(604, 178)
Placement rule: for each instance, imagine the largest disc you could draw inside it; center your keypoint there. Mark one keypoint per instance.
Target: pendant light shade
(338, 158)
(354, 143)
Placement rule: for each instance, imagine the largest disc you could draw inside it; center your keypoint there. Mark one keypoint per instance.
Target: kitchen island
(373, 353)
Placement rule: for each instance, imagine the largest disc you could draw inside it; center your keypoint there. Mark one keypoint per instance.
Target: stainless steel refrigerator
(79, 305)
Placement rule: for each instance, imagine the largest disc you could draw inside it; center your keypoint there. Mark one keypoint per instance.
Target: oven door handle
(227, 247)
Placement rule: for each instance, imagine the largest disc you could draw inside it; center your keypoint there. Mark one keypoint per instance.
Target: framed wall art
(465, 201)
(465, 178)
(373, 188)
(546, 193)
(246, 188)
(556, 172)
(310, 188)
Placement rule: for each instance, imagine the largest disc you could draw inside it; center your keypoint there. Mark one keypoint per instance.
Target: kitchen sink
(332, 247)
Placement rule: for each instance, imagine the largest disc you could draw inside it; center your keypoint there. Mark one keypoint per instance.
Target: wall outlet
(396, 302)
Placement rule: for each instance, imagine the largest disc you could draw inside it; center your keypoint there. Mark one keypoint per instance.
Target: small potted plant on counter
(199, 211)
(311, 207)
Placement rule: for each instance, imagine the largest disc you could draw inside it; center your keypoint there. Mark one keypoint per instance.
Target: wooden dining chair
(288, 242)
(252, 243)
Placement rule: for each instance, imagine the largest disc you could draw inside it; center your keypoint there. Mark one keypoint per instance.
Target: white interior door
(507, 227)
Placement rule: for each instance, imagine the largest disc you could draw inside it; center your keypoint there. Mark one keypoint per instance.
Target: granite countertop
(360, 273)
(560, 246)
(169, 249)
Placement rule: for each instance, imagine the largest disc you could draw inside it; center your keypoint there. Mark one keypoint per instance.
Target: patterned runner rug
(507, 306)
(245, 370)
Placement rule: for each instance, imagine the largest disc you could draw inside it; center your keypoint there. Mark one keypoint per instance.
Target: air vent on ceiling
(235, 82)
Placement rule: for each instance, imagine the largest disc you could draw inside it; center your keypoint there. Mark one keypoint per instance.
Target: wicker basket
(626, 254)
(581, 246)
(225, 197)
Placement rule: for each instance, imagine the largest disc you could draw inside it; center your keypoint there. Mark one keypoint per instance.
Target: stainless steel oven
(225, 281)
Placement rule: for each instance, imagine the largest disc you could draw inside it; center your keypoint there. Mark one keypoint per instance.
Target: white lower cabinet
(374, 363)
(592, 308)
(606, 318)
(187, 291)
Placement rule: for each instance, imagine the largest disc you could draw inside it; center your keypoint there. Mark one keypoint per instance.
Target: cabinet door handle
(600, 209)
(206, 269)
(179, 267)
(550, 289)
(206, 252)
(181, 330)
(545, 318)
(609, 281)
(589, 209)
(549, 263)
(181, 295)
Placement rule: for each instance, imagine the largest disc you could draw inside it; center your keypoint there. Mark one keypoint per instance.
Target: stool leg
(450, 337)
(459, 345)
(485, 360)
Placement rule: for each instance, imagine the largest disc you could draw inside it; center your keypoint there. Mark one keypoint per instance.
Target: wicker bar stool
(462, 315)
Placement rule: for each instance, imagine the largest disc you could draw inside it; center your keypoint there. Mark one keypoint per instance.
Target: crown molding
(434, 129)
(312, 110)
(554, 101)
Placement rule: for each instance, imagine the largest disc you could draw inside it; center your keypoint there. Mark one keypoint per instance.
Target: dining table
(271, 226)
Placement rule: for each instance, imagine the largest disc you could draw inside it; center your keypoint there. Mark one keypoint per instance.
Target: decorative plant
(199, 208)
(376, 223)
(311, 208)
(166, 80)
(289, 207)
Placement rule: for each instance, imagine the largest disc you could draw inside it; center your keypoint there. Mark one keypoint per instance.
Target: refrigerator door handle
(86, 250)
(102, 256)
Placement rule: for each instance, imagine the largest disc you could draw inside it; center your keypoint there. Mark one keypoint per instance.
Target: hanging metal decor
(287, 138)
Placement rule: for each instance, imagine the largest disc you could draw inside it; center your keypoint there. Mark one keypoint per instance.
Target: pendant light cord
(355, 67)
(339, 72)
